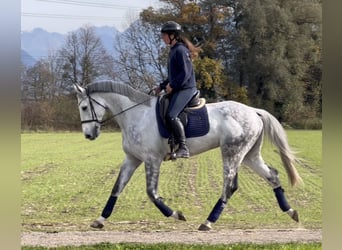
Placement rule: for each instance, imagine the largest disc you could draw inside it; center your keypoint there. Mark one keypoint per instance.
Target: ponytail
(194, 50)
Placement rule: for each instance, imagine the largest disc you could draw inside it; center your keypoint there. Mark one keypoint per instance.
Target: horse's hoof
(204, 227)
(295, 216)
(97, 224)
(181, 216)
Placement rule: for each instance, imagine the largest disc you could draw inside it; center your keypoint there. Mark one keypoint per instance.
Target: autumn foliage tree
(265, 53)
(198, 26)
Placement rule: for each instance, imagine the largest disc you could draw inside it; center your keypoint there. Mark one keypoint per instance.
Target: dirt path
(191, 237)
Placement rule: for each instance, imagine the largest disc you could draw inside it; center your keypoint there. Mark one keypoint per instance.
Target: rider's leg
(178, 130)
(177, 104)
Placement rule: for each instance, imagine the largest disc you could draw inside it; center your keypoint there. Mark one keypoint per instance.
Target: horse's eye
(84, 108)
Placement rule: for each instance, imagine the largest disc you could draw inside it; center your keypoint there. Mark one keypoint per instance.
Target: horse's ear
(79, 89)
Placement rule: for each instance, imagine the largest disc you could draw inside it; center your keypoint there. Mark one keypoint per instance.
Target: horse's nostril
(90, 137)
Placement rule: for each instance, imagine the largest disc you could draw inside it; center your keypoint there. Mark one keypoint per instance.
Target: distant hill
(27, 59)
(38, 43)
(108, 37)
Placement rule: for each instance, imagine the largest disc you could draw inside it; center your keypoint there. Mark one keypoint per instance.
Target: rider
(181, 82)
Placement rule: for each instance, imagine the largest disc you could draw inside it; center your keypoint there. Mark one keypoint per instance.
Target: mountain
(27, 59)
(39, 43)
(108, 36)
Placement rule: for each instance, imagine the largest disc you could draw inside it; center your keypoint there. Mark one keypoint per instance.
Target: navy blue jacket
(180, 70)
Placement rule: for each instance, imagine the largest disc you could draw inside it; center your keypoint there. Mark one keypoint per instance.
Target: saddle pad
(198, 122)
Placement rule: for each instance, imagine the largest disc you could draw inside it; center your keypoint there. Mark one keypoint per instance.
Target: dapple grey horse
(236, 128)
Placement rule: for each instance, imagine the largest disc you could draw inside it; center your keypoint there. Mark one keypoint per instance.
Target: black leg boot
(178, 130)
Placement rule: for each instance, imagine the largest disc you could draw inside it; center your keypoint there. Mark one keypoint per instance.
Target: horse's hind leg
(126, 171)
(255, 162)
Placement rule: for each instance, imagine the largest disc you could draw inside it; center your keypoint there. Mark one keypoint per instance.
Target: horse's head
(91, 112)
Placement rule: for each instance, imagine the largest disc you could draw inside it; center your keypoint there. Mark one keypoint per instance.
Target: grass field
(66, 181)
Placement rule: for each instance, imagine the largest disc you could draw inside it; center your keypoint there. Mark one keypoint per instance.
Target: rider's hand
(157, 90)
(168, 88)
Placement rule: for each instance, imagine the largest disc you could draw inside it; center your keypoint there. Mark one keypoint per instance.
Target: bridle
(93, 113)
(92, 110)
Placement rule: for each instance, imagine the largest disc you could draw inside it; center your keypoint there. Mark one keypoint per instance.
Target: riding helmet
(171, 27)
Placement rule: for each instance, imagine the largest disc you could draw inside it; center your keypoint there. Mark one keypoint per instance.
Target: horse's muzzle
(91, 133)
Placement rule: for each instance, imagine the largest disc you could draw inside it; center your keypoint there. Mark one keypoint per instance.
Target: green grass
(121, 246)
(67, 179)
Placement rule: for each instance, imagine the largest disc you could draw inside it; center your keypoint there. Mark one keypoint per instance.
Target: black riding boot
(178, 131)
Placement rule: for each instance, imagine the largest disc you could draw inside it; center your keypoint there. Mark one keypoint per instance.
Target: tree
(141, 56)
(36, 84)
(265, 53)
(85, 58)
(201, 25)
(273, 44)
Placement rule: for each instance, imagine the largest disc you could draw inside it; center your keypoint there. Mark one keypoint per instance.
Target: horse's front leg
(230, 185)
(126, 171)
(152, 177)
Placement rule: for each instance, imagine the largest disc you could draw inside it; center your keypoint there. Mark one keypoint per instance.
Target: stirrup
(170, 157)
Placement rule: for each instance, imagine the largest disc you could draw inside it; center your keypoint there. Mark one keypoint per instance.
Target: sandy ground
(261, 236)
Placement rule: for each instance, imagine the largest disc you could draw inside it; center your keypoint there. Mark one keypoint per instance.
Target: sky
(63, 16)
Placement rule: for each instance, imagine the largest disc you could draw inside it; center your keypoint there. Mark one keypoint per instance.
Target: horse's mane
(121, 89)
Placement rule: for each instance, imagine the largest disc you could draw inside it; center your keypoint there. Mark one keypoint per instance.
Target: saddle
(194, 117)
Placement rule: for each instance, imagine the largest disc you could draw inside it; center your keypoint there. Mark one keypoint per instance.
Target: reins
(123, 111)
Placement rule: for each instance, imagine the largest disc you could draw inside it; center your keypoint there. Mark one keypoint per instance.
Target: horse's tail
(277, 135)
